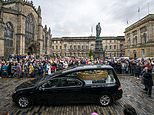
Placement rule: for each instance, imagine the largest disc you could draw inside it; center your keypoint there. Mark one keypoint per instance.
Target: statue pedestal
(99, 54)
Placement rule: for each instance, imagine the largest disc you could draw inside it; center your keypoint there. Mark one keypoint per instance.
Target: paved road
(132, 95)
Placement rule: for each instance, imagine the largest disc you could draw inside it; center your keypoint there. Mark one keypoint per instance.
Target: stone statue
(98, 30)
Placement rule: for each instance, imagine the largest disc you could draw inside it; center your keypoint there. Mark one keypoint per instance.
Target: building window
(143, 53)
(129, 42)
(114, 54)
(65, 45)
(110, 47)
(86, 47)
(8, 34)
(128, 53)
(110, 54)
(60, 47)
(114, 46)
(74, 47)
(121, 46)
(135, 40)
(71, 47)
(145, 38)
(29, 30)
(56, 47)
(79, 47)
(8, 39)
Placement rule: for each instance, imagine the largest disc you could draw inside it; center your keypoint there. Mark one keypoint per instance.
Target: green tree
(91, 54)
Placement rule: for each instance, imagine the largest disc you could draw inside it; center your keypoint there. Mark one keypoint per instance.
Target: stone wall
(80, 46)
(16, 12)
(143, 30)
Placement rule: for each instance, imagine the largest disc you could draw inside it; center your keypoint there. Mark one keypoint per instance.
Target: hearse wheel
(105, 100)
(23, 101)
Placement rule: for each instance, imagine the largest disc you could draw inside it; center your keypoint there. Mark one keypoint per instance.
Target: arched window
(29, 29)
(8, 38)
(8, 34)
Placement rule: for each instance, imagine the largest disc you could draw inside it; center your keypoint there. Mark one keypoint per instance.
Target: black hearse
(82, 84)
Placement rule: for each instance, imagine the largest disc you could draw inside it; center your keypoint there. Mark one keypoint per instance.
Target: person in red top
(149, 66)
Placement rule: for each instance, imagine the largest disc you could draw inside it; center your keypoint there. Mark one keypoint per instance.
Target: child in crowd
(94, 113)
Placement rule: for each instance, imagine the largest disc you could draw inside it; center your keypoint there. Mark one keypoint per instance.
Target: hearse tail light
(119, 88)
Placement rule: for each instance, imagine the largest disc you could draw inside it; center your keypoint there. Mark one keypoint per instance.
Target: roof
(149, 17)
(73, 69)
(85, 67)
(89, 38)
(93, 66)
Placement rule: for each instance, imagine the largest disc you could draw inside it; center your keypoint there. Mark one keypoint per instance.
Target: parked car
(82, 84)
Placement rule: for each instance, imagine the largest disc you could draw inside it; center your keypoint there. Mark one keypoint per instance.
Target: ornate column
(20, 35)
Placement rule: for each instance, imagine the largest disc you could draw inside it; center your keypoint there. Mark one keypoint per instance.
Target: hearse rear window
(97, 76)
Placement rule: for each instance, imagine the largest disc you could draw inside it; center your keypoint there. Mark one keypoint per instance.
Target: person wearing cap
(129, 110)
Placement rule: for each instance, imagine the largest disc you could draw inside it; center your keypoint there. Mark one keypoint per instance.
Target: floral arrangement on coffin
(93, 76)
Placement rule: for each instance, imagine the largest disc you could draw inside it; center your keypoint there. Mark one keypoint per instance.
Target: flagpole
(91, 30)
(148, 8)
(127, 22)
(139, 13)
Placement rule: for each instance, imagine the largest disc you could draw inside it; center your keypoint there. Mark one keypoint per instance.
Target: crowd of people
(32, 66)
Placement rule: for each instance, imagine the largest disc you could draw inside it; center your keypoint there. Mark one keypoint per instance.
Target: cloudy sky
(80, 17)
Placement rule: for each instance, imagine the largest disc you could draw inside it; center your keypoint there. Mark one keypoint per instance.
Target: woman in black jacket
(148, 82)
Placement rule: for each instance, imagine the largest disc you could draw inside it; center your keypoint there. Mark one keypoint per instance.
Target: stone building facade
(80, 46)
(139, 38)
(21, 30)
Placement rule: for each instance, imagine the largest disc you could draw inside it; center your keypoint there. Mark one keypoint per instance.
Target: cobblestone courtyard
(133, 95)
